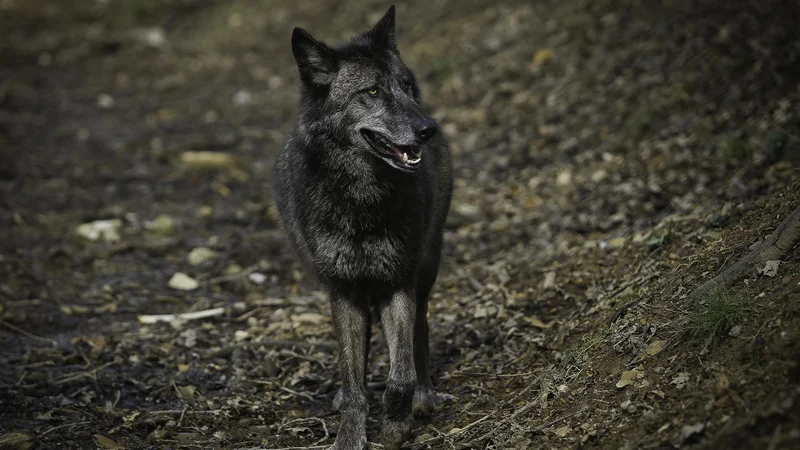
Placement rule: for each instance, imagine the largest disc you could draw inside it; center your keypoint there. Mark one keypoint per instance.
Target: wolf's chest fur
(360, 229)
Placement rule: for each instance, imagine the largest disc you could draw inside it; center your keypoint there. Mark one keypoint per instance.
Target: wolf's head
(363, 96)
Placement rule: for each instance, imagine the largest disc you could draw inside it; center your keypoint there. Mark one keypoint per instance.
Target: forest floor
(609, 155)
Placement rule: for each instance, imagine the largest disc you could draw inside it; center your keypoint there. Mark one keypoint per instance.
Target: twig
(58, 427)
(499, 426)
(555, 421)
(273, 344)
(89, 373)
(298, 394)
(461, 431)
(234, 276)
(184, 411)
(309, 447)
(151, 319)
(27, 334)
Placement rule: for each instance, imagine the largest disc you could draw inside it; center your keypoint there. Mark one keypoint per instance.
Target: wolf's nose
(426, 129)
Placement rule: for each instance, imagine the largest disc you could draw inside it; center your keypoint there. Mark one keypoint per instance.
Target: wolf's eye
(372, 92)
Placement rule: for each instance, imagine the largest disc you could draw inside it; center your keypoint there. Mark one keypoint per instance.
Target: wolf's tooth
(405, 157)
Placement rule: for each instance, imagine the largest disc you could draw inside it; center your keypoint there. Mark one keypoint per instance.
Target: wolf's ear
(382, 33)
(316, 61)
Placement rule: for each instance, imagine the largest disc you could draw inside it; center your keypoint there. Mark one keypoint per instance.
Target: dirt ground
(610, 156)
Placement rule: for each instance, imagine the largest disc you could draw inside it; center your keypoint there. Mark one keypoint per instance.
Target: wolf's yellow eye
(372, 92)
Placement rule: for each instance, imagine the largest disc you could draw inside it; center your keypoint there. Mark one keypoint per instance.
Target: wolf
(363, 184)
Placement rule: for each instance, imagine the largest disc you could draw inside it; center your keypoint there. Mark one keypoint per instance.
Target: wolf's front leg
(397, 317)
(351, 321)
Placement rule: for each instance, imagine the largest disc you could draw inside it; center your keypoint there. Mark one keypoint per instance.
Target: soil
(610, 156)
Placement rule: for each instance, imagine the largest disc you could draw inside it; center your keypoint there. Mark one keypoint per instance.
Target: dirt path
(610, 156)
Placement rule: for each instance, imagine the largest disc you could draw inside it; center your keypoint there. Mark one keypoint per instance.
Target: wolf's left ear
(383, 32)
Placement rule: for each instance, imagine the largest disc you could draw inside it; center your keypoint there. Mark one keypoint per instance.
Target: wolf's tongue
(399, 153)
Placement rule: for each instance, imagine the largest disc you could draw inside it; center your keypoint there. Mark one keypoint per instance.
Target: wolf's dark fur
(365, 218)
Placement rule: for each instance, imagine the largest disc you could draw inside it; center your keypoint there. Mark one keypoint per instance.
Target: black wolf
(363, 186)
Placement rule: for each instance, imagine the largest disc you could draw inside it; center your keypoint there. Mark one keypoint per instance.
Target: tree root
(774, 247)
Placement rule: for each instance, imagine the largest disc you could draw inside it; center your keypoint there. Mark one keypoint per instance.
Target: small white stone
(108, 230)
(183, 282)
(257, 278)
(105, 101)
(201, 255)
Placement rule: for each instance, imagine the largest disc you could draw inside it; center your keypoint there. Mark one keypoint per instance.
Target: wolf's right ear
(316, 61)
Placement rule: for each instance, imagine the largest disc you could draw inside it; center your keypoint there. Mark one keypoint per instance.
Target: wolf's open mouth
(404, 157)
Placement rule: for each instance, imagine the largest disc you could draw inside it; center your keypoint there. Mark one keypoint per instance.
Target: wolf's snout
(425, 130)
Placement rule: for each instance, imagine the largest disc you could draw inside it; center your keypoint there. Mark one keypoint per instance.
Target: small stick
(27, 334)
(90, 373)
(151, 319)
(234, 276)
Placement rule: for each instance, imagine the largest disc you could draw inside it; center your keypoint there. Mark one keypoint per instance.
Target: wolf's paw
(350, 438)
(424, 402)
(394, 433)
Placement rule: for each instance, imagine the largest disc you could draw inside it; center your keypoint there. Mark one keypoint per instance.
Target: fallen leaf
(106, 442)
(201, 255)
(770, 268)
(542, 56)
(549, 280)
(680, 380)
(128, 419)
(209, 160)
(185, 392)
(688, 431)
(563, 431)
(18, 441)
(308, 318)
(163, 225)
(655, 347)
(240, 335)
(627, 378)
(723, 382)
(535, 322)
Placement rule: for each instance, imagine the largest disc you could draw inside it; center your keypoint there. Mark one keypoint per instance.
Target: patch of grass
(717, 314)
(579, 354)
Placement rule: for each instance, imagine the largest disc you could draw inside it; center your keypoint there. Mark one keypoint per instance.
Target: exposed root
(775, 247)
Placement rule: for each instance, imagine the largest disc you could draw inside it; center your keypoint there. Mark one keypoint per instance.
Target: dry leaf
(549, 280)
(18, 441)
(655, 347)
(770, 268)
(209, 160)
(106, 442)
(535, 322)
(185, 392)
(680, 380)
(723, 382)
(308, 318)
(627, 378)
(542, 56)
(563, 431)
